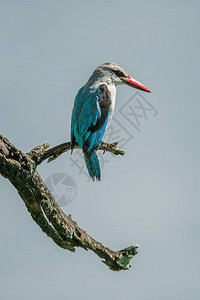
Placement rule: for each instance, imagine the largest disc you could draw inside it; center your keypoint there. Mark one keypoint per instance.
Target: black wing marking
(73, 141)
(104, 103)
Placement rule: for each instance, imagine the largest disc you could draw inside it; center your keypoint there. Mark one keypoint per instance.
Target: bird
(93, 111)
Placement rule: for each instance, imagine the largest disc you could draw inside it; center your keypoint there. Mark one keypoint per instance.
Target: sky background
(48, 49)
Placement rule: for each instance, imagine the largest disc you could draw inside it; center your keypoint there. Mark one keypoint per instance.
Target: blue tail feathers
(93, 166)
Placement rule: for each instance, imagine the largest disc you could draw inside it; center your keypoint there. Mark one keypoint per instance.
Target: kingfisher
(93, 110)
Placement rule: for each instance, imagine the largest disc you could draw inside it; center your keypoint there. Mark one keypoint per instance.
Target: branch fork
(21, 170)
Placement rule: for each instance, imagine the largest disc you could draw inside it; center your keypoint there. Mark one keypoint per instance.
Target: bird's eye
(119, 73)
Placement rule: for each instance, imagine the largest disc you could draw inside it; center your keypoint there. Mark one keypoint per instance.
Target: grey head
(109, 72)
(112, 73)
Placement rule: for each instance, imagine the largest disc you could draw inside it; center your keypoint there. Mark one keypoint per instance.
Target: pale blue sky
(48, 49)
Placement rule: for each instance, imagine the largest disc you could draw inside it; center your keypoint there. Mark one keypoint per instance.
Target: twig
(39, 153)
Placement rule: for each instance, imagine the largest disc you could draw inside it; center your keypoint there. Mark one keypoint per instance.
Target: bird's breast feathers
(112, 91)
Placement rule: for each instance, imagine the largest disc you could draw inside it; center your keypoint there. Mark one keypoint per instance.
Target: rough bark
(21, 170)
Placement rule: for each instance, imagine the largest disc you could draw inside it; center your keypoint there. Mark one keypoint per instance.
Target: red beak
(134, 83)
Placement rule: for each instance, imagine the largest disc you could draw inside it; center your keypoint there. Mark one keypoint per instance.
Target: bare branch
(20, 170)
(39, 153)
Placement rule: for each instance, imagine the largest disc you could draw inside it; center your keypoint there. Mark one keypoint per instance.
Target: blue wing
(89, 117)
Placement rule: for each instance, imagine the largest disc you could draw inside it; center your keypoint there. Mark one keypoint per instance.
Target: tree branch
(39, 153)
(20, 169)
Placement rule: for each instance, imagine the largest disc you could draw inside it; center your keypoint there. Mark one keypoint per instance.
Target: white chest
(112, 90)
